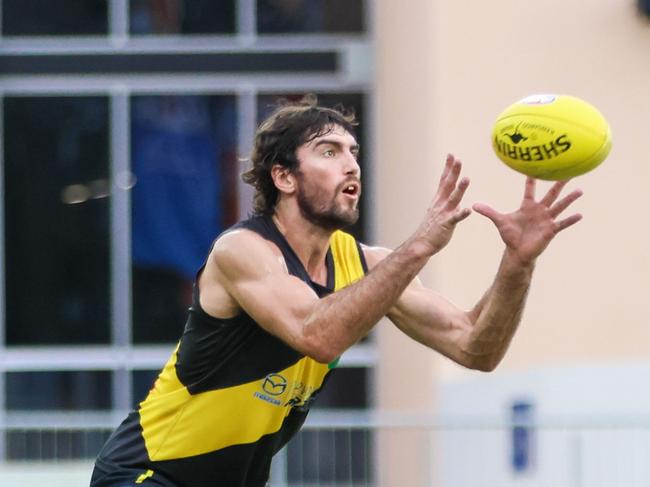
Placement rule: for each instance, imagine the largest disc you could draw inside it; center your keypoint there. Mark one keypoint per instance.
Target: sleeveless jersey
(230, 396)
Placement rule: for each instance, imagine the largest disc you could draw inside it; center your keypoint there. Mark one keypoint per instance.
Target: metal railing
(357, 449)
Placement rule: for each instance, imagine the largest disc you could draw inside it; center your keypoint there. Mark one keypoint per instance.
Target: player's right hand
(445, 211)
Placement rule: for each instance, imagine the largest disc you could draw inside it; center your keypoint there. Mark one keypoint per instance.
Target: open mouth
(352, 189)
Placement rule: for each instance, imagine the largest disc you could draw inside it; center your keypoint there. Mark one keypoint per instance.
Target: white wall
(64, 474)
(593, 427)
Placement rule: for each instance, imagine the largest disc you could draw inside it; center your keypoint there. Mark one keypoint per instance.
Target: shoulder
(245, 251)
(374, 254)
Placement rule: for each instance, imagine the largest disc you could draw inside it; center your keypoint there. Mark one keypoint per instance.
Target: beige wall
(444, 73)
(445, 69)
(590, 296)
(403, 187)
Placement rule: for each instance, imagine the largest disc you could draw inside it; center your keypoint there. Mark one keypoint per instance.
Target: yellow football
(551, 137)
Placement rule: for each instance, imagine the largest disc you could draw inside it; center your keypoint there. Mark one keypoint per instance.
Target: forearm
(342, 318)
(496, 316)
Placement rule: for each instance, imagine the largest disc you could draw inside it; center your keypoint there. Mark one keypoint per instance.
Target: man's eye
(329, 153)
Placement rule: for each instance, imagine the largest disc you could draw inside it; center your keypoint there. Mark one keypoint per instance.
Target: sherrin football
(551, 137)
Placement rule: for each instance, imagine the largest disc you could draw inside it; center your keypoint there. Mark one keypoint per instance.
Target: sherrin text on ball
(551, 137)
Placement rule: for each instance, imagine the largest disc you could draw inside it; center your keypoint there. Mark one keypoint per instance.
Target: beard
(327, 213)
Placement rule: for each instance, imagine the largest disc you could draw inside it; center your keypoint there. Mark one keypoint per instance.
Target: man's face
(328, 177)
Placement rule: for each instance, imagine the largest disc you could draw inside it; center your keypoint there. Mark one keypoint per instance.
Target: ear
(283, 179)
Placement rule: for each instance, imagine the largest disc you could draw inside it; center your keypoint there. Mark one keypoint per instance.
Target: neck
(310, 242)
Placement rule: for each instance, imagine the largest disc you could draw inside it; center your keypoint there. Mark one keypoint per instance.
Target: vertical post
(121, 179)
(118, 22)
(246, 22)
(247, 111)
(3, 330)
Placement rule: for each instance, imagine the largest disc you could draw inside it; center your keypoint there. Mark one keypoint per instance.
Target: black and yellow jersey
(230, 396)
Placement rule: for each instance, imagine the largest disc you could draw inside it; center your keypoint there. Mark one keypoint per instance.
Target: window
(347, 388)
(115, 180)
(182, 17)
(142, 381)
(313, 16)
(58, 390)
(54, 18)
(183, 156)
(56, 199)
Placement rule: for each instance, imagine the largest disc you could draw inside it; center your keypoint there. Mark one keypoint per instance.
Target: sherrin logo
(540, 152)
(524, 144)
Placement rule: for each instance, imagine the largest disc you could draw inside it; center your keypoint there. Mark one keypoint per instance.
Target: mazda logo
(274, 384)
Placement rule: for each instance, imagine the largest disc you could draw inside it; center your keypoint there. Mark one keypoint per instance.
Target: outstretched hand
(528, 230)
(445, 210)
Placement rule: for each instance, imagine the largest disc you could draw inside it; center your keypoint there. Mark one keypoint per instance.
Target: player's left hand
(528, 230)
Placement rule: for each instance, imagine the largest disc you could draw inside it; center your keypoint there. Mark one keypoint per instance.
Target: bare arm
(477, 338)
(480, 337)
(253, 278)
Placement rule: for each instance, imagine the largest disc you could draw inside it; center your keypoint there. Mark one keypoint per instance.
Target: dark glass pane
(345, 388)
(54, 18)
(310, 16)
(54, 444)
(160, 301)
(61, 390)
(349, 102)
(322, 457)
(184, 159)
(182, 16)
(57, 220)
(141, 383)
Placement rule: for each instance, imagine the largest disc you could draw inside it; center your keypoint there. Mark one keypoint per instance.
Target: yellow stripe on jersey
(176, 424)
(347, 261)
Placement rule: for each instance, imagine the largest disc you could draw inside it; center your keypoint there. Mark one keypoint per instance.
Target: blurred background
(123, 125)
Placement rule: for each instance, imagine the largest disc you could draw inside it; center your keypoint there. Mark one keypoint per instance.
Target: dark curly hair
(277, 138)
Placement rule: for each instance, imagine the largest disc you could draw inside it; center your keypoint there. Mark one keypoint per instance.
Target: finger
(567, 222)
(529, 190)
(459, 192)
(461, 215)
(564, 203)
(449, 184)
(488, 212)
(448, 163)
(553, 193)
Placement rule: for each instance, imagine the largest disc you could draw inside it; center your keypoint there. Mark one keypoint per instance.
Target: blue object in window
(176, 199)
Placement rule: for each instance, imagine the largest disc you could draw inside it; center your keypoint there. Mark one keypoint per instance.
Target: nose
(352, 167)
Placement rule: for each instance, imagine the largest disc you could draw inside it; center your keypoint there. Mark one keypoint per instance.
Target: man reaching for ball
(283, 294)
